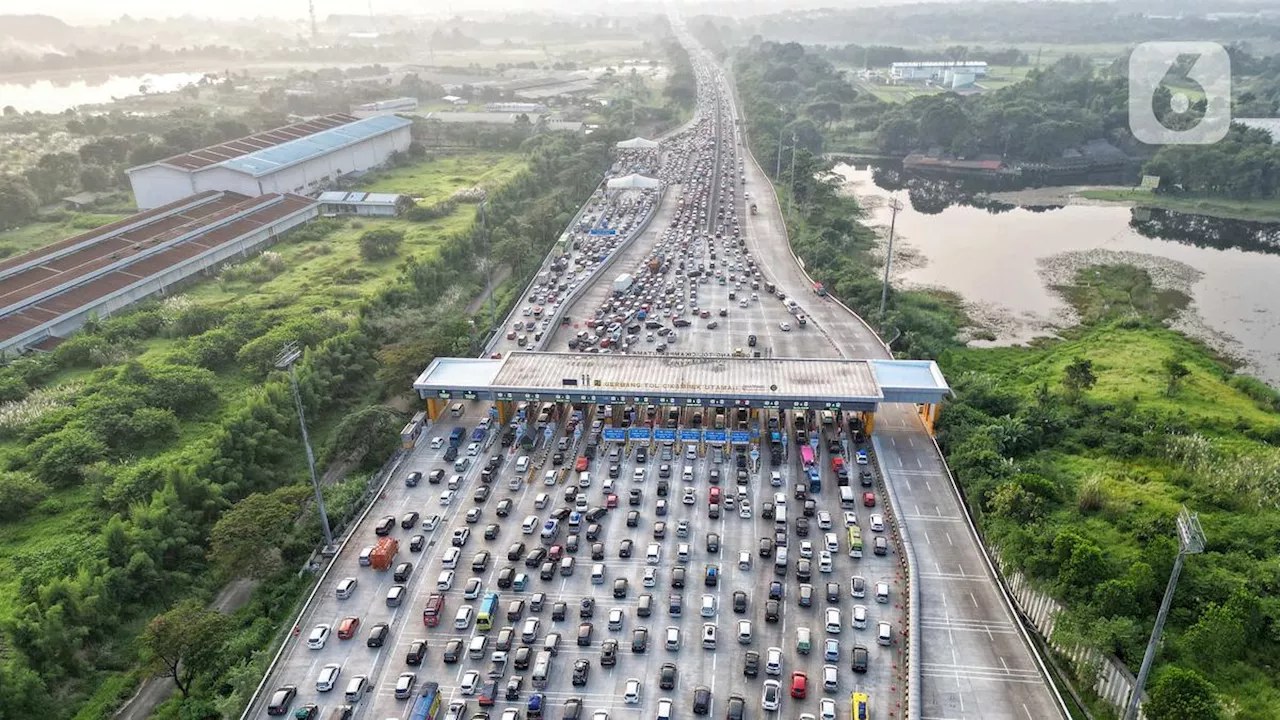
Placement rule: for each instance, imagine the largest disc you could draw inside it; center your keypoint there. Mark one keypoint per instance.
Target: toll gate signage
(615, 434)
(800, 405)
(640, 433)
(469, 394)
(444, 394)
(692, 402)
(664, 434)
(715, 436)
(740, 437)
(691, 436)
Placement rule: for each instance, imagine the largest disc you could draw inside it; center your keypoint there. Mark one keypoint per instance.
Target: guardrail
(389, 469)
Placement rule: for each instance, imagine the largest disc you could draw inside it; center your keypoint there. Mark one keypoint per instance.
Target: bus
(427, 706)
(806, 456)
(434, 609)
(855, 541)
(488, 610)
(861, 706)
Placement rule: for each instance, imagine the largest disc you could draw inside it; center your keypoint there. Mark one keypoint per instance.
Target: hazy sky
(75, 11)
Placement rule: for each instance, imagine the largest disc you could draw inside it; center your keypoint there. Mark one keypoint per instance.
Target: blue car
(861, 457)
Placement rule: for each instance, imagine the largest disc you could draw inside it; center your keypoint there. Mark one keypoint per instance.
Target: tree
(183, 643)
(95, 178)
(1078, 377)
(369, 433)
(380, 243)
(1180, 693)
(18, 202)
(245, 540)
(1175, 370)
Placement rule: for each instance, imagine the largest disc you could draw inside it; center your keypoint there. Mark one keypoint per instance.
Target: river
(1002, 260)
(50, 97)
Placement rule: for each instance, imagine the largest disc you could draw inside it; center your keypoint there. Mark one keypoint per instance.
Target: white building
(301, 158)
(385, 107)
(336, 203)
(937, 69)
(515, 107)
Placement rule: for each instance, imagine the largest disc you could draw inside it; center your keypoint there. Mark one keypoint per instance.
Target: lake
(1001, 259)
(51, 97)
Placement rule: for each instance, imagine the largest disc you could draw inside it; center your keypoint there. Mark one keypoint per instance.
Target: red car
(556, 552)
(799, 684)
(869, 499)
(611, 501)
(584, 463)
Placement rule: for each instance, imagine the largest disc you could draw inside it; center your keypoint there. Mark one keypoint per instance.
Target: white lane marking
(949, 542)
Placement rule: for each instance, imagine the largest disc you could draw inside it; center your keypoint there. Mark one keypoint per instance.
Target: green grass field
(437, 179)
(38, 234)
(1267, 210)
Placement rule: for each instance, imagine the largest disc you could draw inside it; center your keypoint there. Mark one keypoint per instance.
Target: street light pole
(896, 206)
(488, 265)
(1190, 542)
(791, 196)
(286, 360)
(777, 170)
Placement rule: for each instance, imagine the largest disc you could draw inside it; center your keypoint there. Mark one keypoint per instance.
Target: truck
(623, 283)
(384, 553)
(819, 289)
(654, 263)
(753, 208)
(456, 435)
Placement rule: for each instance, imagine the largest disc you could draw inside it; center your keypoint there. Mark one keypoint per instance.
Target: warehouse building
(385, 107)
(335, 203)
(48, 293)
(302, 158)
(938, 70)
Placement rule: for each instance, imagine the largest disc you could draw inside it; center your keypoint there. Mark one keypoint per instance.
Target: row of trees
(1244, 165)
(788, 93)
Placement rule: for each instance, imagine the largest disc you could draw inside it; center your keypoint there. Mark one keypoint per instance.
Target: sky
(89, 11)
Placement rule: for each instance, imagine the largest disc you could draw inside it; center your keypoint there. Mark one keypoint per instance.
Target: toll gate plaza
(854, 387)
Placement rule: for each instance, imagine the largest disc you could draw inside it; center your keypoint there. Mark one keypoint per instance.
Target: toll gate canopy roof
(685, 380)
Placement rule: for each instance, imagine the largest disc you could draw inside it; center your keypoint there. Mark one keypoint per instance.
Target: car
(412, 479)
(744, 632)
(348, 627)
(572, 709)
(404, 685)
(806, 595)
(437, 442)
(701, 700)
(713, 543)
(880, 546)
(319, 636)
(472, 589)
(328, 677)
(861, 457)
(850, 518)
(631, 693)
(452, 651)
(688, 497)
(751, 664)
(378, 635)
(824, 519)
(868, 499)
(736, 708)
(470, 683)
(667, 675)
(282, 698)
(799, 684)
(773, 661)
(831, 650)
(827, 709)
(877, 523)
(417, 543)
(739, 601)
(771, 696)
(860, 657)
(491, 531)
(581, 672)
(609, 653)
(786, 327)
(460, 537)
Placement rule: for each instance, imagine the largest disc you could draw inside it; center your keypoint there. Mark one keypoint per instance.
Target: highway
(975, 661)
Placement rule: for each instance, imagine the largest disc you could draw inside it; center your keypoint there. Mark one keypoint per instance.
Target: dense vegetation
(1076, 457)
(148, 434)
(786, 91)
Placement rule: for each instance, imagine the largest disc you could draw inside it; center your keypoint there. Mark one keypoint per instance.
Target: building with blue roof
(304, 159)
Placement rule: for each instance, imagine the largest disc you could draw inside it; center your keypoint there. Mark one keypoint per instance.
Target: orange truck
(383, 553)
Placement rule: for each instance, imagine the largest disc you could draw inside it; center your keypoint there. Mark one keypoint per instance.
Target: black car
(378, 635)
(417, 651)
(515, 551)
(416, 543)
(633, 518)
(385, 525)
(751, 664)
(505, 576)
(639, 640)
(412, 479)
(587, 608)
(860, 657)
(625, 548)
(436, 477)
(751, 340)
(282, 699)
(558, 611)
(594, 514)
(481, 494)
(597, 551)
(491, 531)
(667, 676)
(701, 700)
(609, 653)
(521, 659)
(677, 577)
(504, 507)
(535, 557)
(581, 671)
(642, 455)
(867, 478)
(620, 588)
(402, 572)
(802, 527)
(450, 454)
(739, 602)
(560, 513)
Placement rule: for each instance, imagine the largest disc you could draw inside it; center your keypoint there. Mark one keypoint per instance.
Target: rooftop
(215, 154)
(363, 198)
(274, 158)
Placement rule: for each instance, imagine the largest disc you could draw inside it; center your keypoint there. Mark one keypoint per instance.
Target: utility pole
(791, 196)
(286, 360)
(488, 265)
(311, 9)
(1190, 542)
(896, 206)
(777, 170)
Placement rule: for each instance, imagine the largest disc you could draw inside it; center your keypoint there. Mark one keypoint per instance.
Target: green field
(437, 179)
(1266, 210)
(38, 234)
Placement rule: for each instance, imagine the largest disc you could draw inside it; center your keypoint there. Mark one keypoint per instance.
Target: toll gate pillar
(929, 415)
(869, 422)
(435, 408)
(506, 409)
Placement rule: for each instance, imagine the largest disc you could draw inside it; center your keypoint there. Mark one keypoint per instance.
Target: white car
(786, 327)
(824, 561)
(638, 475)
(455, 482)
(664, 709)
(473, 449)
(430, 522)
(806, 549)
(445, 580)
(450, 558)
(771, 698)
(744, 632)
(833, 543)
(549, 477)
(437, 443)
(529, 525)
(472, 589)
(446, 498)
(824, 520)
(319, 636)
(775, 478)
(828, 709)
(650, 577)
(877, 523)
(744, 510)
(470, 683)
(833, 620)
(860, 617)
(688, 498)
(328, 677)
(773, 661)
(631, 695)
(850, 518)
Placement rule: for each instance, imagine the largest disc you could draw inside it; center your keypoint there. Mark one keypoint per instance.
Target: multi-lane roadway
(975, 662)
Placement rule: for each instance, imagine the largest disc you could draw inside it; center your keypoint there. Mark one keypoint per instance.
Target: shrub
(1092, 496)
(19, 493)
(380, 243)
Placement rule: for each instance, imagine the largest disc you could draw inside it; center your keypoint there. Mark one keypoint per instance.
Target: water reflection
(55, 96)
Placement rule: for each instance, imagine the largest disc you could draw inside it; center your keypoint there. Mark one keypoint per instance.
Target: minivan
(356, 688)
(884, 633)
(882, 592)
(522, 464)
(597, 574)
